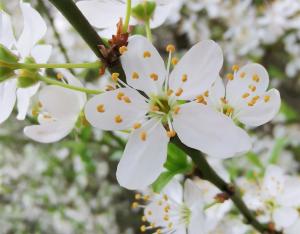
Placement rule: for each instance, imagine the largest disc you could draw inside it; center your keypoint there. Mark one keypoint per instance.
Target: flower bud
(144, 11)
(7, 58)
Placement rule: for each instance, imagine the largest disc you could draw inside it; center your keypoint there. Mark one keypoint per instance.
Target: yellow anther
(100, 108)
(135, 76)
(167, 208)
(134, 205)
(266, 98)
(184, 78)
(252, 88)
(158, 231)
(169, 92)
(179, 92)
(235, 68)
(118, 119)
(166, 218)
(146, 197)
(166, 197)
(255, 78)
(137, 125)
(109, 88)
(229, 76)
(201, 99)
(126, 99)
(229, 111)
(115, 77)
(245, 95)
(143, 228)
(147, 54)
(123, 49)
(206, 93)
(152, 225)
(251, 103)
(255, 98)
(149, 213)
(242, 74)
(144, 219)
(120, 95)
(155, 108)
(59, 76)
(143, 136)
(170, 225)
(34, 112)
(174, 61)
(170, 48)
(171, 133)
(176, 110)
(154, 76)
(138, 196)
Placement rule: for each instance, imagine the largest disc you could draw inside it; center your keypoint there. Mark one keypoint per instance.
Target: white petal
(7, 37)
(202, 64)
(102, 13)
(273, 183)
(130, 113)
(49, 132)
(174, 191)
(59, 102)
(34, 29)
(23, 96)
(200, 127)
(197, 221)
(285, 217)
(291, 194)
(242, 82)
(216, 92)
(75, 82)
(41, 53)
(160, 15)
(7, 98)
(142, 161)
(192, 193)
(294, 229)
(262, 111)
(133, 61)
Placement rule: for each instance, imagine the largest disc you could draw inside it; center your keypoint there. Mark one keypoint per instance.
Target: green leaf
(289, 112)
(176, 159)
(280, 144)
(162, 181)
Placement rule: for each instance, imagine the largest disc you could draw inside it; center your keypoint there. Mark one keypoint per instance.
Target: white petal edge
(133, 61)
(285, 217)
(7, 98)
(202, 128)
(142, 161)
(202, 64)
(7, 37)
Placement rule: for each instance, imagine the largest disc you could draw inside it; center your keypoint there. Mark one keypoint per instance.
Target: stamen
(155, 108)
(229, 111)
(235, 68)
(166, 218)
(120, 96)
(115, 77)
(135, 76)
(266, 98)
(251, 103)
(175, 61)
(137, 125)
(167, 208)
(147, 54)
(179, 92)
(176, 110)
(206, 93)
(255, 98)
(143, 136)
(170, 48)
(169, 92)
(223, 99)
(134, 205)
(154, 76)
(252, 88)
(100, 108)
(170, 225)
(201, 99)
(245, 95)
(229, 76)
(171, 133)
(59, 76)
(144, 219)
(242, 75)
(138, 196)
(126, 99)
(118, 119)
(109, 88)
(123, 49)
(184, 78)
(256, 78)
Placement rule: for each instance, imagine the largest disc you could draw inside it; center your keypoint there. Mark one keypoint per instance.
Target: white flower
(172, 103)
(174, 210)
(61, 108)
(276, 199)
(104, 14)
(245, 98)
(34, 29)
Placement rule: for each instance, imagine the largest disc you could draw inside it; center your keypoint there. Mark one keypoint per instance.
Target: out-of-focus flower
(60, 111)
(173, 101)
(175, 210)
(34, 29)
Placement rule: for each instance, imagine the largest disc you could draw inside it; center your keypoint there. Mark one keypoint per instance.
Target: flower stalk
(127, 17)
(92, 65)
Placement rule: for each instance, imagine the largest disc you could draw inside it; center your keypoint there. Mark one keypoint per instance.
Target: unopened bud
(7, 61)
(144, 11)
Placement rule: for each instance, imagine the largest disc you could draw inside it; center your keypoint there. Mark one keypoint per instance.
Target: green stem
(97, 64)
(64, 85)
(148, 30)
(128, 14)
(206, 172)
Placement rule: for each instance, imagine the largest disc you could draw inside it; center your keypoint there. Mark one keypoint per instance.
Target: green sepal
(27, 78)
(144, 11)
(6, 57)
